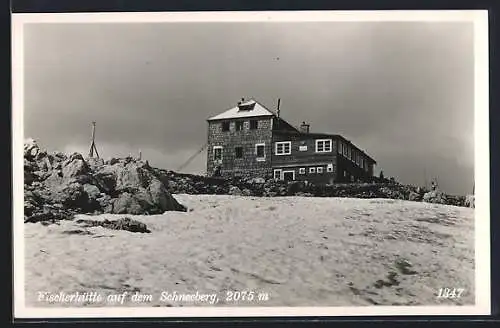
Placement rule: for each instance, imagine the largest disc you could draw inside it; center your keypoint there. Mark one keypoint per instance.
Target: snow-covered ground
(297, 251)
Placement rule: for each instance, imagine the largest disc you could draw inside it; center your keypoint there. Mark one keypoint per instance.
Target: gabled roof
(249, 108)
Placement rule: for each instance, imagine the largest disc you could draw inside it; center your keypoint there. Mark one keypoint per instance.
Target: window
(239, 126)
(344, 149)
(302, 170)
(312, 170)
(260, 151)
(277, 174)
(217, 153)
(303, 148)
(225, 126)
(353, 155)
(357, 159)
(238, 152)
(283, 148)
(254, 124)
(345, 173)
(329, 168)
(319, 170)
(323, 145)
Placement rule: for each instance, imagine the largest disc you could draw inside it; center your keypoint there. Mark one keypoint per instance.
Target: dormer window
(246, 105)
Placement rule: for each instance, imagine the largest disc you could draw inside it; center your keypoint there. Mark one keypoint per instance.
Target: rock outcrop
(470, 201)
(57, 186)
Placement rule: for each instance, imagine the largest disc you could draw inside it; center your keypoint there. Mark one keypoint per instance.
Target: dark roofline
(326, 135)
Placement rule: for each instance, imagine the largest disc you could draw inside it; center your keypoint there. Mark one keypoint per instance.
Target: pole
(92, 145)
(93, 132)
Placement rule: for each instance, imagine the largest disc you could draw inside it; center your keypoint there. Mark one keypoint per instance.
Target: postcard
(242, 164)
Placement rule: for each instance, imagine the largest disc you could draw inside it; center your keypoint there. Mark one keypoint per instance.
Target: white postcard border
(482, 181)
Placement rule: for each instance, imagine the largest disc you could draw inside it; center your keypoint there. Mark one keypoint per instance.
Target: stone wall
(247, 139)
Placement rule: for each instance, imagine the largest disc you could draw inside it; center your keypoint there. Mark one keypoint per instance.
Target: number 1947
(450, 292)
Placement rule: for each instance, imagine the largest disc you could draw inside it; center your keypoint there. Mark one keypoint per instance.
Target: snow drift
(301, 251)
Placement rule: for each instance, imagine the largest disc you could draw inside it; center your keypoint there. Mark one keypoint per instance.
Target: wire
(192, 157)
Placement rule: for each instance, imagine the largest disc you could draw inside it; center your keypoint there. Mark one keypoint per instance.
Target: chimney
(304, 128)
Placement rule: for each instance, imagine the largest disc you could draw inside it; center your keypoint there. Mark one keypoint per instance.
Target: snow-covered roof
(248, 108)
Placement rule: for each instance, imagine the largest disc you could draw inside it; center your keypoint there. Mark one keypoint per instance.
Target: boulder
(125, 223)
(247, 192)
(235, 191)
(70, 196)
(129, 225)
(75, 169)
(54, 179)
(132, 176)
(163, 199)
(470, 201)
(31, 149)
(257, 180)
(127, 204)
(29, 177)
(413, 196)
(48, 216)
(92, 191)
(105, 203)
(435, 196)
(105, 179)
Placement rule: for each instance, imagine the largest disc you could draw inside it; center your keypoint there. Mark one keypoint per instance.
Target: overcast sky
(401, 91)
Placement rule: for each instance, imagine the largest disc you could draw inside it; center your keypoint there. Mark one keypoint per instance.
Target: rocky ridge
(57, 186)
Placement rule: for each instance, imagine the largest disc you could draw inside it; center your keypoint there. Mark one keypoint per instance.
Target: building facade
(250, 140)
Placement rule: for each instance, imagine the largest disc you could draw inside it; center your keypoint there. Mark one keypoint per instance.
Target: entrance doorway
(289, 175)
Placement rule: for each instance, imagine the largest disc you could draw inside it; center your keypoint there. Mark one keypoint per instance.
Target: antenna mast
(278, 109)
(92, 145)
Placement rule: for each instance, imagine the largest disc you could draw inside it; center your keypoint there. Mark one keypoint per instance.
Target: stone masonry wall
(248, 165)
